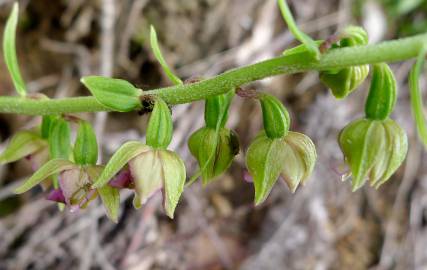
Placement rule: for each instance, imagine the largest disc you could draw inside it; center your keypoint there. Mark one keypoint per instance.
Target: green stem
(389, 51)
(30, 106)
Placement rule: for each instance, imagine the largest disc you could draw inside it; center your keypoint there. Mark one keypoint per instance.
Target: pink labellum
(123, 179)
(56, 195)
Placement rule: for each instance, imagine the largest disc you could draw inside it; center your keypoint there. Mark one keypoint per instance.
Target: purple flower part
(123, 179)
(247, 177)
(56, 195)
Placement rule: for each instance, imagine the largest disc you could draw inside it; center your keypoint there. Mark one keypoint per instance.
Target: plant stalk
(388, 51)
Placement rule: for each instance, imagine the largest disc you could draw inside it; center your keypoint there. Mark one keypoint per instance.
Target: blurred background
(322, 226)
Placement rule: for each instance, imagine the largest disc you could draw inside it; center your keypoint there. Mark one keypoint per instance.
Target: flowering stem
(388, 51)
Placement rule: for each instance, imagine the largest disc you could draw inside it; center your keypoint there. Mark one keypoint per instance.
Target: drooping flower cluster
(276, 151)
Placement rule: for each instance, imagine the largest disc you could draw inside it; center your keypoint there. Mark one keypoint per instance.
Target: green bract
(9, 51)
(309, 43)
(373, 149)
(115, 94)
(343, 81)
(291, 157)
(205, 142)
(382, 93)
(416, 97)
(275, 116)
(160, 126)
(158, 54)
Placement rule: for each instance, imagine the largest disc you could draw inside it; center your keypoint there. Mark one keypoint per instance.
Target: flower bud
(382, 93)
(159, 130)
(213, 151)
(373, 150)
(292, 157)
(343, 81)
(275, 116)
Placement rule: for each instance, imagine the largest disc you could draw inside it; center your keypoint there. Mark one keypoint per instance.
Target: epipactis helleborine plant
(374, 147)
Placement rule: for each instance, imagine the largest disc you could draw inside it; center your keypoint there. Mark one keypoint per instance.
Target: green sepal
(86, 146)
(216, 110)
(361, 142)
(159, 56)
(115, 94)
(160, 126)
(120, 158)
(174, 174)
(264, 160)
(154, 170)
(382, 93)
(9, 51)
(275, 116)
(110, 196)
(59, 139)
(52, 167)
(22, 144)
(389, 160)
(300, 155)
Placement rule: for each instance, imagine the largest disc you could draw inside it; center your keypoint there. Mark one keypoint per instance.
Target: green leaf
(9, 51)
(299, 35)
(22, 144)
(85, 147)
(416, 97)
(122, 156)
(116, 94)
(160, 126)
(53, 166)
(59, 139)
(158, 54)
